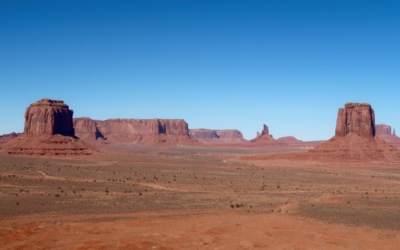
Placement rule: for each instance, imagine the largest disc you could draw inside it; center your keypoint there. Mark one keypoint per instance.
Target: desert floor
(187, 198)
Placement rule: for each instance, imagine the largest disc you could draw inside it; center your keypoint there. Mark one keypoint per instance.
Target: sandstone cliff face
(229, 134)
(173, 127)
(223, 136)
(153, 132)
(383, 129)
(203, 133)
(143, 126)
(86, 129)
(48, 131)
(355, 138)
(358, 118)
(48, 117)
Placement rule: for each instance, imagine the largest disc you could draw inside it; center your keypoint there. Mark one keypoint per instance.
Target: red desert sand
(344, 194)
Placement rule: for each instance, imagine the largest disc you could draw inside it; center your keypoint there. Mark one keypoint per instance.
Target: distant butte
(355, 138)
(48, 131)
(383, 129)
(264, 138)
(384, 132)
(211, 136)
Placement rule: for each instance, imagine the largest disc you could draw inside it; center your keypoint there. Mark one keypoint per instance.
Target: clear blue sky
(216, 64)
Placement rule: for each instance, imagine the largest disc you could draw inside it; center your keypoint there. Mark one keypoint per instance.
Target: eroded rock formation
(385, 133)
(153, 132)
(358, 118)
(265, 130)
(217, 136)
(48, 117)
(383, 129)
(355, 138)
(203, 134)
(264, 138)
(48, 131)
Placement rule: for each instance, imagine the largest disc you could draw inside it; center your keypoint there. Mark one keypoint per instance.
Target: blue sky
(216, 64)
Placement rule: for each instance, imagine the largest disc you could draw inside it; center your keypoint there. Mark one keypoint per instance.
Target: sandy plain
(197, 198)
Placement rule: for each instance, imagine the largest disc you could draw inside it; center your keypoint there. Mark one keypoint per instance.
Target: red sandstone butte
(355, 138)
(264, 138)
(48, 131)
(385, 133)
(152, 132)
(222, 136)
(265, 130)
(49, 117)
(358, 118)
(383, 129)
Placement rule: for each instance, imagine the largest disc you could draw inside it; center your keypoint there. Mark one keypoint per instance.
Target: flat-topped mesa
(358, 118)
(49, 117)
(229, 134)
(220, 136)
(216, 134)
(144, 126)
(203, 133)
(151, 132)
(383, 129)
(173, 127)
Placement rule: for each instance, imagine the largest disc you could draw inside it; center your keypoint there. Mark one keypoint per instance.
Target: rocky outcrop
(203, 134)
(264, 138)
(143, 126)
(265, 130)
(355, 138)
(8, 137)
(358, 118)
(86, 129)
(153, 132)
(384, 132)
(383, 129)
(49, 117)
(217, 136)
(48, 131)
